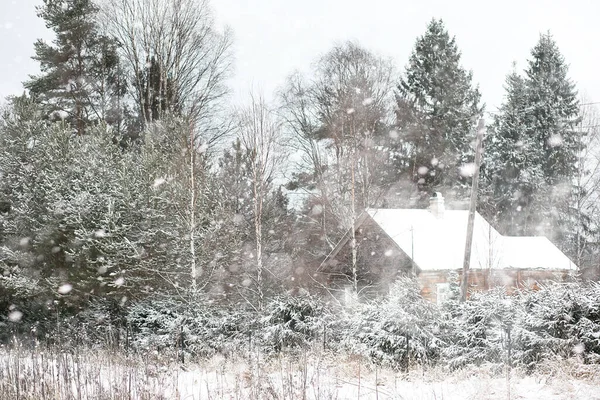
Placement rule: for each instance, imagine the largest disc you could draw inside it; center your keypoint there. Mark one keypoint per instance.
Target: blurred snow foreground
(315, 375)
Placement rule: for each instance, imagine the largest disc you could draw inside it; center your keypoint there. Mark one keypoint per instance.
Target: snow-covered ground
(101, 375)
(347, 381)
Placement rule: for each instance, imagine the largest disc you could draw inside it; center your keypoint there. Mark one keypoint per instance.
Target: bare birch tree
(177, 59)
(259, 133)
(338, 121)
(587, 184)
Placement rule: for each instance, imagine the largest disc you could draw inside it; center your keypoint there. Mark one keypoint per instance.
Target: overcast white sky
(274, 37)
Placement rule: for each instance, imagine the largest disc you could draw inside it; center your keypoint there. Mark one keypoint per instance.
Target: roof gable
(439, 243)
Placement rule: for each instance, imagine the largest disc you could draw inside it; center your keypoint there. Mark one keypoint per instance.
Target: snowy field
(98, 375)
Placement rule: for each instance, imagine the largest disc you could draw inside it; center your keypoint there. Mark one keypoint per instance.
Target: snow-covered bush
(196, 329)
(564, 320)
(474, 330)
(101, 324)
(559, 321)
(398, 330)
(292, 321)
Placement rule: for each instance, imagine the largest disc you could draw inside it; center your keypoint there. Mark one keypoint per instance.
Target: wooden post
(412, 251)
(180, 343)
(472, 209)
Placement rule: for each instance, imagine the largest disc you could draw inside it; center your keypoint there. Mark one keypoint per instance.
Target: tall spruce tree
(554, 108)
(437, 106)
(511, 178)
(532, 152)
(81, 80)
(554, 115)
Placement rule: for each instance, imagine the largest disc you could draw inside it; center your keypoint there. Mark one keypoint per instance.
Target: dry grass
(84, 374)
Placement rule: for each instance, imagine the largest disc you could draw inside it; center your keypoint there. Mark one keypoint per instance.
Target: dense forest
(128, 179)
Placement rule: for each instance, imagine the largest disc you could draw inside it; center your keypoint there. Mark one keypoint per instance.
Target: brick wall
(481, 280)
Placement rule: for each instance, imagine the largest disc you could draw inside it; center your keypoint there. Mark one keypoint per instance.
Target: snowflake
(467, 170)
(368, 101)
(65, 289)
(15, 316)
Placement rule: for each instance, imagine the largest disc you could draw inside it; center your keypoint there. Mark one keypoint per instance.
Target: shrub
(194, 329)
(397, 330)
(292, 322)
(474, 330)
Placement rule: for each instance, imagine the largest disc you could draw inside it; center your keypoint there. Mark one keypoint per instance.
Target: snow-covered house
(429, 243)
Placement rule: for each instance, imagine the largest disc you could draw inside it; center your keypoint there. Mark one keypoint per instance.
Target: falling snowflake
(100, 233)
(317, 209)
(555, 140)
(15, 316)
(368, 101)
(158, 182)
(65, 289)
(238, 219)
(467, 170)
(422, 170)
(579, 348)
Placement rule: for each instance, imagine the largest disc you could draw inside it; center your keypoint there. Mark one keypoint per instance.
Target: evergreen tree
(81, 80)
(437, 106)
(531, 155)
(158, 92)
(76, 207)
(554, 114)
(511, 178)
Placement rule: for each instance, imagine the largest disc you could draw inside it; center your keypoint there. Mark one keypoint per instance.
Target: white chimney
(436, 205)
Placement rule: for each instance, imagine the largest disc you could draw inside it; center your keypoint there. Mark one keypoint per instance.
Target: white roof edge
(518, 252)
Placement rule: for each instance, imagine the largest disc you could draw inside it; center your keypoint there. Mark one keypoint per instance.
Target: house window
(443, 292)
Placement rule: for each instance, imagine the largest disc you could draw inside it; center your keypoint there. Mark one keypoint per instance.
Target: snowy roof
(439, 243)
(534, 252)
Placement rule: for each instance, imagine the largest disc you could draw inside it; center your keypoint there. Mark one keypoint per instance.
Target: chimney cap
(436, 205)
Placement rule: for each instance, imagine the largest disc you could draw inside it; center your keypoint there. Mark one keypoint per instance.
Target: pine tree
(554, 110)
(81, 80)
(158, 92)
(437, 106)
(531, 156)
(511, 178)
(554, 114)
(238, 200)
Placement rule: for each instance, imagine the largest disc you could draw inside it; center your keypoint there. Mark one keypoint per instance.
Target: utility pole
(472, 210)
